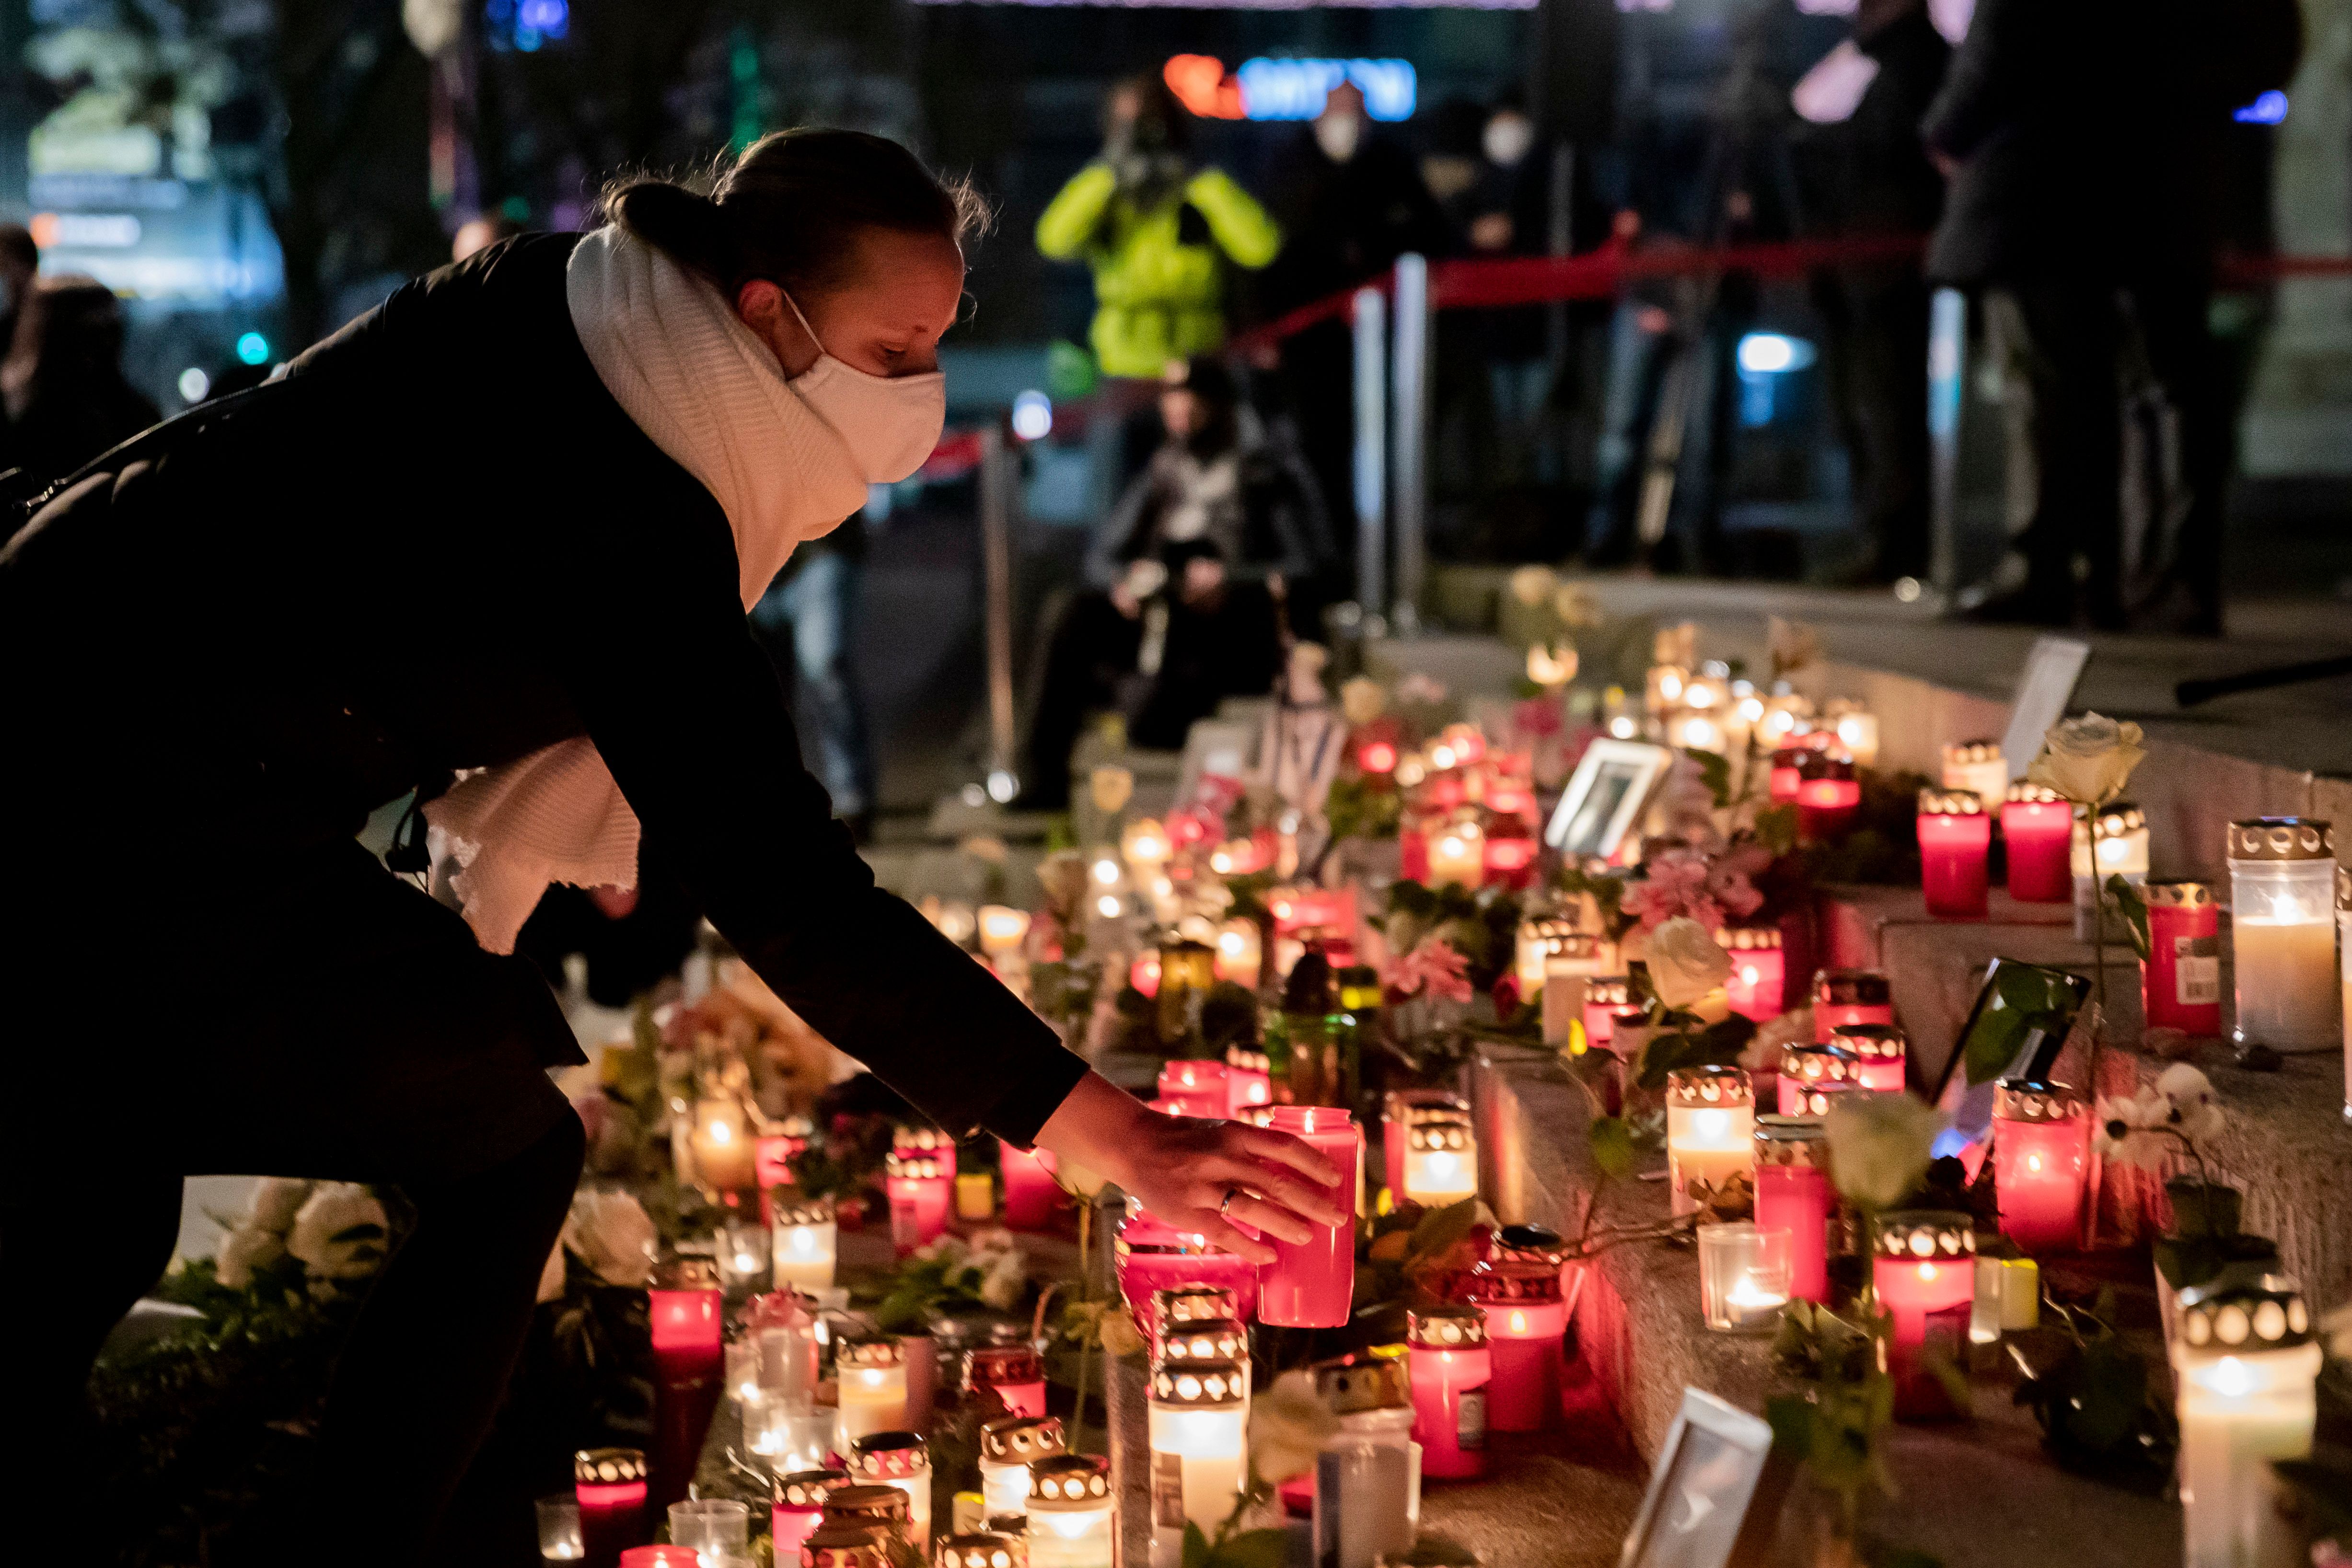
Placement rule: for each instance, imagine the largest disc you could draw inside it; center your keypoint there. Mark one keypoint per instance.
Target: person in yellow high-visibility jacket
(1154, 231)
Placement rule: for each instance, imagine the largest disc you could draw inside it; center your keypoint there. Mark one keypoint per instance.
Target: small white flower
(2087, 760)
(1879, 1145)
(2124, 1134)
(245, 1250)
(332, 1210)
(1005, 1281)
(2196, 1110)
(1287, 1428)
(1685, 962)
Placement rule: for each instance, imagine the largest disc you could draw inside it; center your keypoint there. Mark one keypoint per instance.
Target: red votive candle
(1607, 999)
(1518, 1289)
(1009, 1377)
(1786, 773)
(1877, 1049)
(661, 1555)
(2039, 830)
(1401, 1111)
(1198, 1087)
(1510, 861)
(926, 1143)
(1148, 1256)
(1758, 975)
(1413, 854)
(1924, 1271)
(1031, 1193)
(1249, 1081)
(1452, 1370)
(2180, 984)
(1850, 997)
(689, 1340)
(1805, 1068)
(1309, 1284)
(1955, 841)
(919, 1198)
(1827, 795)
(799, 1506)
(772, 1162)
(1793, 1193)
(611, 1485)
(2040, 1157)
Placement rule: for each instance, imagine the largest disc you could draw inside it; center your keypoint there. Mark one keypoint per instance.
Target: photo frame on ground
(1696, 1511)
(2044, 691)
(1217, 748)
(2022, 1015)
(1606, 797)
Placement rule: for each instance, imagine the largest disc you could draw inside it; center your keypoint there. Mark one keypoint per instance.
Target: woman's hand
(1199, 1174)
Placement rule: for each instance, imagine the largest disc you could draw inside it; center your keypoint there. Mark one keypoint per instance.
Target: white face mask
(1507, 138)
(889, 423)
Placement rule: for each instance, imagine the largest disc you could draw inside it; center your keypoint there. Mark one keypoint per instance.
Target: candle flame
(1927, 1272)
(1518, 1322)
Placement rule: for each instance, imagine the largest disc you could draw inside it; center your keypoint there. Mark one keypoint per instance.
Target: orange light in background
(1201, 85)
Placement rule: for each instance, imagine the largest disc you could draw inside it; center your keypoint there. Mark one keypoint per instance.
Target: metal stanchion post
(1371, 449)
(999, 473)
(1948, 359)
(1411, 508)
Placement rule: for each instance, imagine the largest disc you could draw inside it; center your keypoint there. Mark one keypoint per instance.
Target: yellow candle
(722, 1146)
(975, 1195)
(2284, 997)
(1710, 1134)
(1458, 854)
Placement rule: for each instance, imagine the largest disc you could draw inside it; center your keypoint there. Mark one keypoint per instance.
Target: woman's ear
(761, 306)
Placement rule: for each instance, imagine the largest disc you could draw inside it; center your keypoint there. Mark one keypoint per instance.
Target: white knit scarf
(711, 394)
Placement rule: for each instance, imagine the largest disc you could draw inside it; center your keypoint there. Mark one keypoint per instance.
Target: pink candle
(1826, 802)
(1759, 970)
(1451, 1370)
(1510, 861)
(926, 1143)
(1031, 1193)
(1009, 1378)
(800, 1504)
(1249, 1081)
(1606, 999)
(1199, 1088)
(1851, 996)
(1924, 1269)
(689, 1341)
(919, 1198)
(772, 1163)
(1413, 854)
(2041, 1155)
(2039, 829)
(1309, 1284)
(1805, 1068)
(610, 1484)
(1148, 1257)
(1878, 1051)
(1955, 838)
(1793, 1193)
(1519, 1287)
(1787, 765)
(2180, 984)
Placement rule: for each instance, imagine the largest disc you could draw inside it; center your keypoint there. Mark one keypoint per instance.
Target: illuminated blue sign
(2270, 109)
(1295, 90)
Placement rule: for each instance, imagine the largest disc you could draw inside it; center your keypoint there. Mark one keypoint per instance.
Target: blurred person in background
(808, 622)
(20, 261)
(62, 384)
(1654, 322)
(1185, 572)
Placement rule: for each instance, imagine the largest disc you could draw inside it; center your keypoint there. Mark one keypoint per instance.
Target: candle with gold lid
(1711, 1136)
(611, 1486)
(1804, 1067)
(1792, 1194)
(1517, 1286)
(1759, 976)
(1878, 1051)
(2040, 1157)
(1441, 1158)
(1813, 1100)
(1954, 844)
(846, 1545)
(799, 1506)
(1607, 1000)
(1008, 1446)
(870, 1372)
(1451, 1369)
(2180, 983)
(1196, 1415)
(2039, 828)
(900, 1459)
(2245, 1365)
(1977, 766)
(1923, 1271)
(1073, 1514)
(1200, 1341)
(1827, 796)
(1850, 997)
(919, 1192)
(2283, 933)
(804, 1239)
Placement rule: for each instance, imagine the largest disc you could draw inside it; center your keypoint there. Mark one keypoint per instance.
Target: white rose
(1287, 1428)
(1684, 961)
(245, 1250)
(331, 1211)
(2087, 760)
(1362, 700)
(276, 1201)
(612, 1235)
(1879, 1145)
(1531, 585)
(1005, 1282)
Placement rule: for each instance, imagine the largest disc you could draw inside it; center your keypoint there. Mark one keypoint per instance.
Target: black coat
(441, 544)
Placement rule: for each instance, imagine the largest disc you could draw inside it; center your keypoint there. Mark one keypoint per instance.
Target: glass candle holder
(1517, 1287)
(806, 1241)
(610, 1485)
(1008, 1446)
(1198, 1087)
(1954, 844)
(1607, 998)
(559, 1529)
(1367, 1478)
(2041, 1158)
(1878, 1052)
(2283, 933)
(1440, 1160)
(742, 1368)
(783, 1329)
(799, 1505)
(1196, 1413)
(1977, 766)
(1072, 1513)
(1148, 1256)
(2038, 829)
(2113, 842)
(1804, 1067)
(1792, 1195)
(1850, 997)
(1451, 1369)
(2246, 1364)
(1309, 1284)
(2181, 984)
(900, 1459)
(687, 1317)
(786, 1434)
(1758, 979)
(1924, 1270)
(1710, 1138)
(2008, 1296)
(1010, 1378)
(1031, 1193)
(919, 1192)
(744, 1256)
(983, 1549)
(1743, 1276)
(721, 1141)
(1249, 1080)
(1827, 796)
(870, 1374)
(773, 1148)
(718, 1529)
(667, 1555)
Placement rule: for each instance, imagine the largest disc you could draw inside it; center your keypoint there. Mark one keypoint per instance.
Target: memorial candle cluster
(1710, 1135)
(1954, 845)
(2041, 1158)
(1923, 1271)
(1517, 1286)
(2181, 984)
(2245, 1365)
(2039, 828)
(1008, 1446)
(2283, 933)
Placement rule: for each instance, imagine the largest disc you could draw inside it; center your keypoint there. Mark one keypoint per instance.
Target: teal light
(253, 349)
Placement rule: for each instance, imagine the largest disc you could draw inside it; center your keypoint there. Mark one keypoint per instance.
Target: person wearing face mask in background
(266, 619)
(1349, 202)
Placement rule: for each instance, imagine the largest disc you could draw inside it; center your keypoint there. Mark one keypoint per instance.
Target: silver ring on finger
(1230, 1193)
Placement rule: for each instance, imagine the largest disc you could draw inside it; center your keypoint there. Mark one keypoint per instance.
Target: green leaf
(1790, 1417)
(1253, 1548)
(1715, 771)
(1611, 1143)
(1196, 1546)
(2135, 909)
(1992, 1045)
(2022, 987)
(1440, 1228)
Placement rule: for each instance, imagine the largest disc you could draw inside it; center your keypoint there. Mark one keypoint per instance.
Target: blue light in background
(253, 349)
(1033, 415)
(1295, 90)
(1763, 357)
(2270, 109)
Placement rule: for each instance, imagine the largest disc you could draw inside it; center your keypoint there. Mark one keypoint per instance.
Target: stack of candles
(2112, 843)
(1010, 1378)
(2283, 933)
(2246, 1367)
(799, 1505)
(925, 1143)
(900, 1459)
(1827, 796)
(1197, 1416)
(883, 1511)
(919, 1189)
(1367, 1486)
(2041, 1153)
(1977, 767)
(805, 1241)
(1008, 1446)
(2180, 983)
(1451, 1369)
(1743, 1275)
(1197, 1088)
(1181, 1306)
(610, 1485)
(1924, 1272)
(2039, 828)
(1249, 1080)
(1441, 1158)
(771, 1159)
(1519, 1286)
(1878, 1052)
(1310, 1284)
(870, 1374)
(1031, 1193)
(1850, 997)
(1804, 1068)
(1792, 1194)
(1148, 1256)
(689, 1343)
(1073, 1515)
(1759, 970)
(1710, 1137)
(1954, 845)
(1608, 1002)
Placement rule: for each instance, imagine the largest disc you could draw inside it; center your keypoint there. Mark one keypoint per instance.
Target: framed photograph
(2023, 1015)
(1606, 797)
(2045, 688)
(1219, 748)
(1707, 1476)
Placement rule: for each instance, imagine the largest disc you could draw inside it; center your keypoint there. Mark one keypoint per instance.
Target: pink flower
(1674, 884)
(1434, 968)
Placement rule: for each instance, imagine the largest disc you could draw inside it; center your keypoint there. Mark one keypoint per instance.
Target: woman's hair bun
(671, 217)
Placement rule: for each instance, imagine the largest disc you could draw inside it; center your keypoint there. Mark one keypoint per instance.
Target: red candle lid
(912, 1167)
(1854, 987)
(990, 1365)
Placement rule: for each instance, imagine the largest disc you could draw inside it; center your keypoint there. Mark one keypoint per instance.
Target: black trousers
(318, 1018)
(1877, 364)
